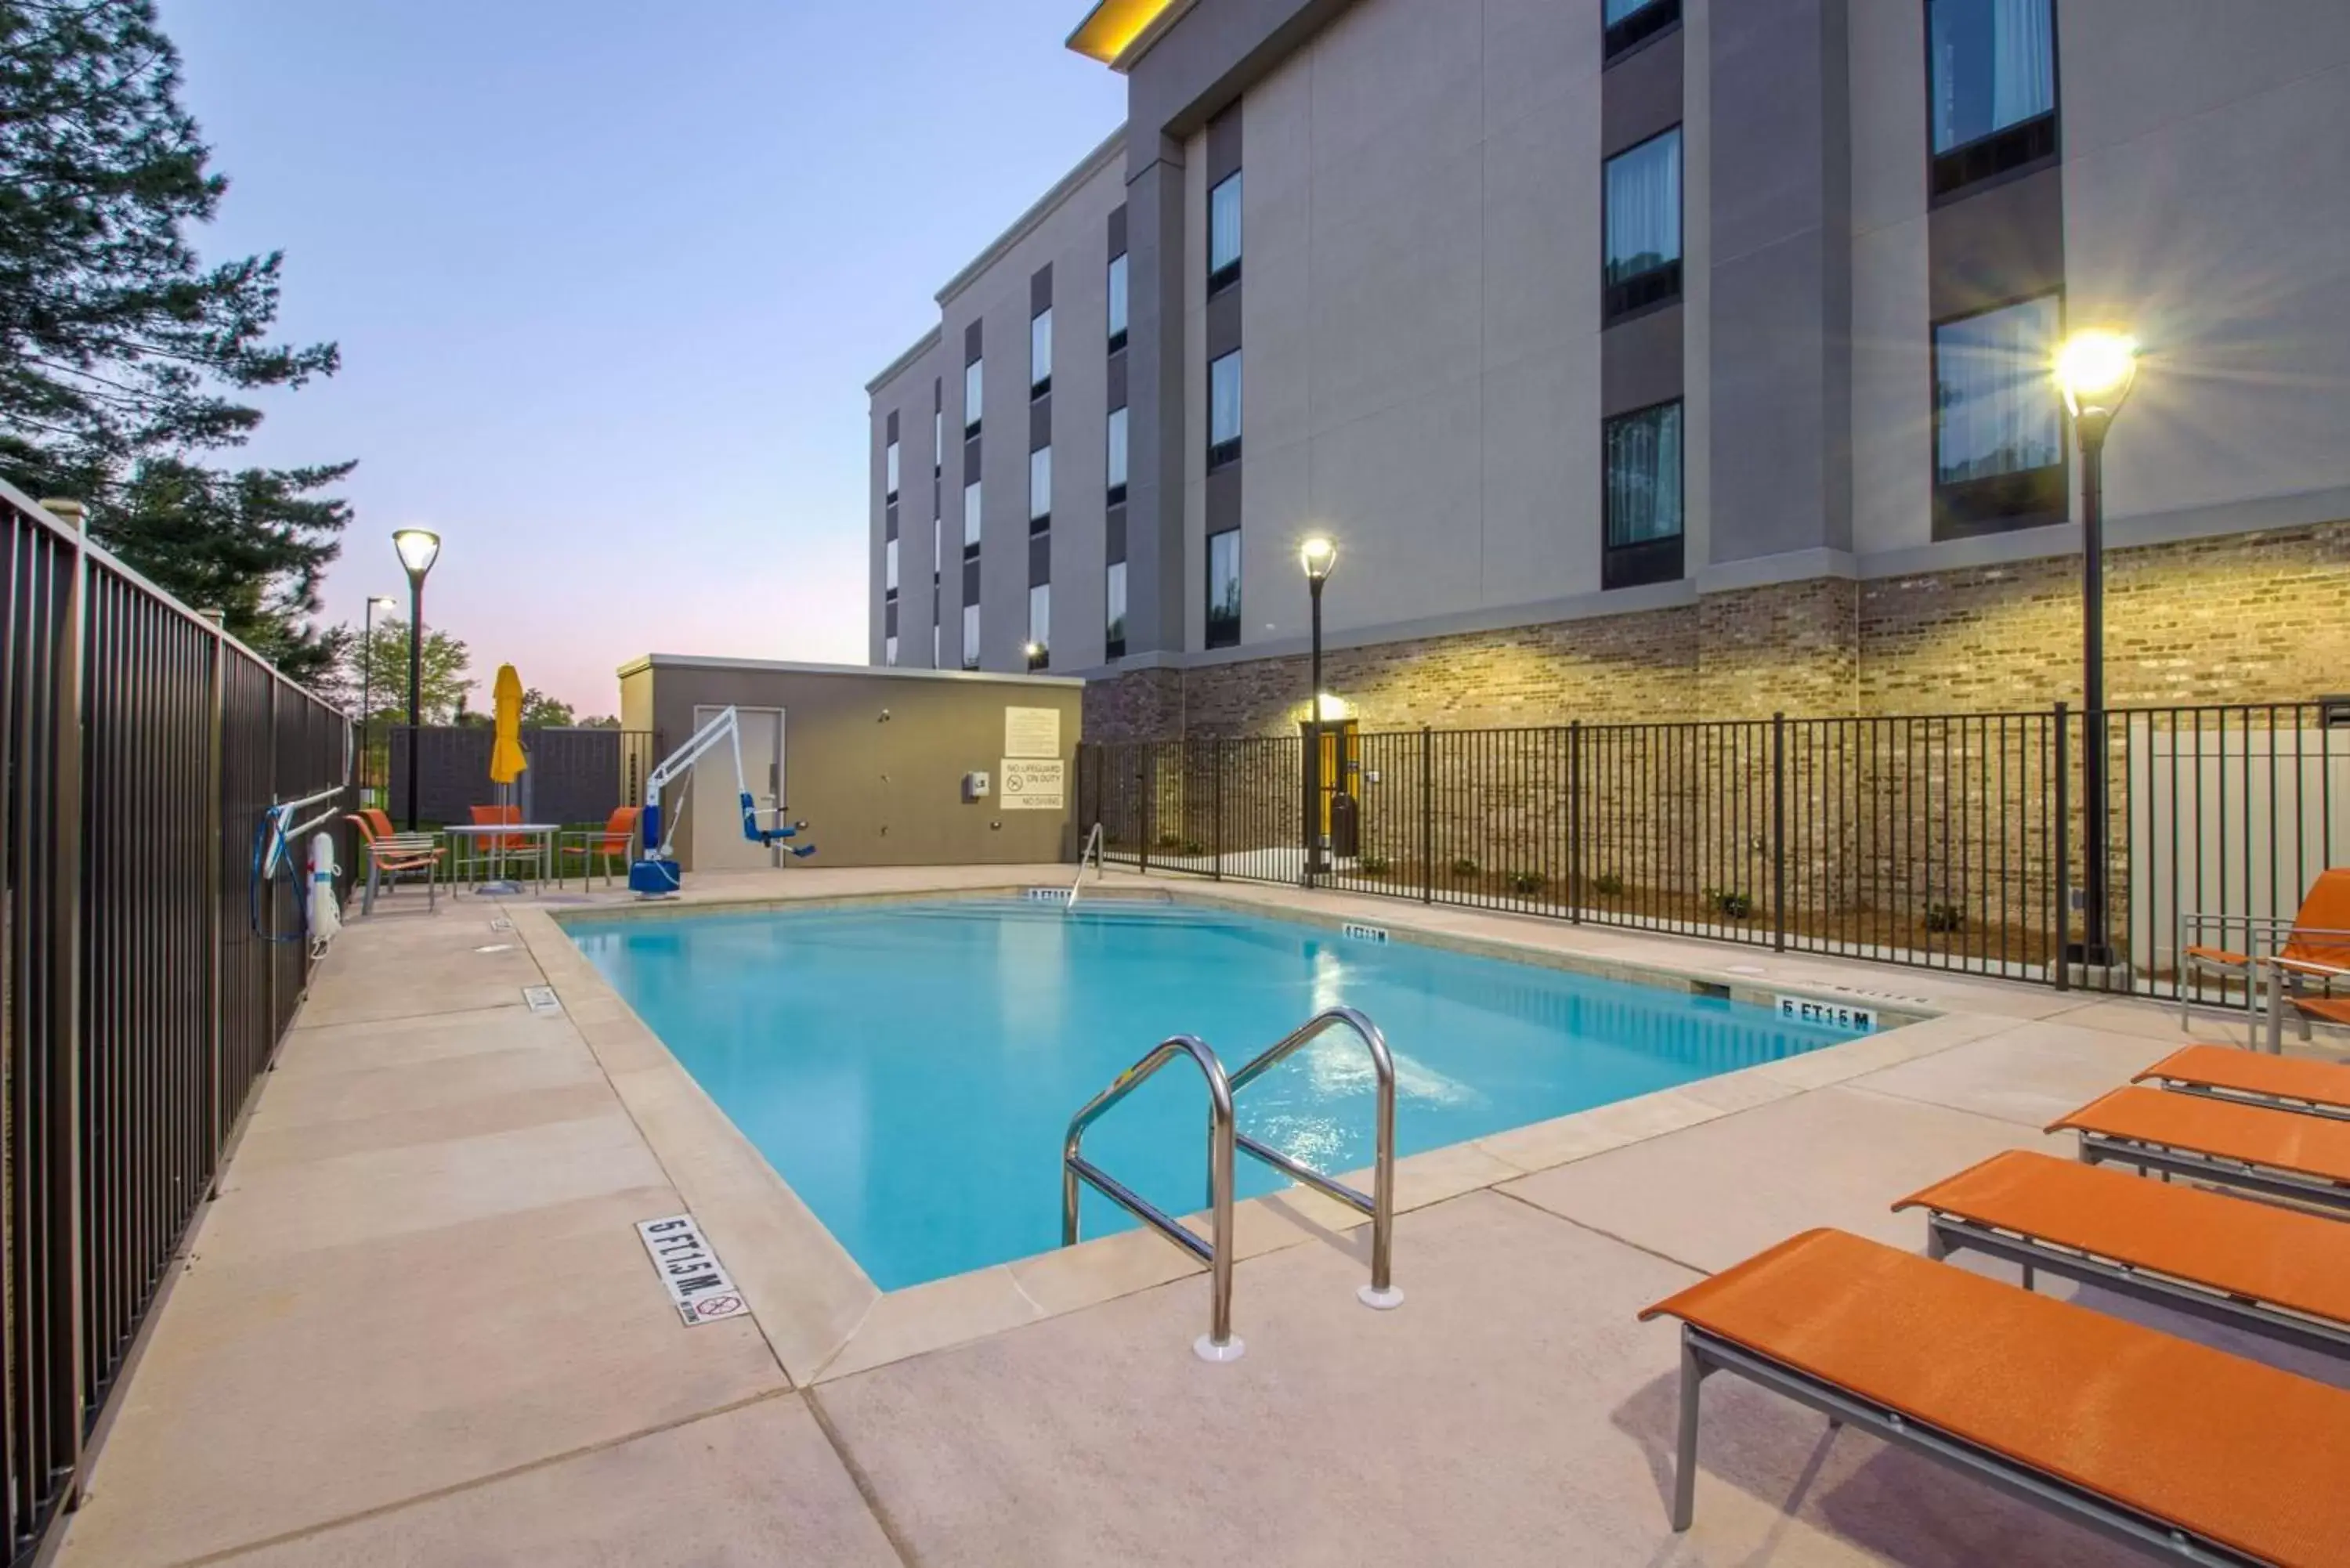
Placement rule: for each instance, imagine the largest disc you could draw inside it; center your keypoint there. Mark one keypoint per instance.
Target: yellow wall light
(1111, 27)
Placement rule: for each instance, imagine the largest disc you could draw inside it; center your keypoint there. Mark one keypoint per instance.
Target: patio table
(475, 845)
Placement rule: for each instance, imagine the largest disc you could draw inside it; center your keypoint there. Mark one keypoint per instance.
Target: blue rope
(273, 824)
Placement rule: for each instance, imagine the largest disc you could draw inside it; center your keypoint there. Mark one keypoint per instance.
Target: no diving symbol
(717, 1306)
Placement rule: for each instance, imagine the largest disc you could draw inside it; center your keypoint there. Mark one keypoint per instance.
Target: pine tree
(121, 355)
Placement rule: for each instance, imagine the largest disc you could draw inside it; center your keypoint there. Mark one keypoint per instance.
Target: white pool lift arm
(657, 872)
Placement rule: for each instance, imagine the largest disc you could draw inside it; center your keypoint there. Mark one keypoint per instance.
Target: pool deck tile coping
(825, 1317)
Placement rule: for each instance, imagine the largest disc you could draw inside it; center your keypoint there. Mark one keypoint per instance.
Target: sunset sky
(609, 279)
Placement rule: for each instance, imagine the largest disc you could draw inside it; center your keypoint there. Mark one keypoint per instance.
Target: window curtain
(1224, 224)
(1994, 66)
(1644, 476)
(1644, 207)
(971, 512)
(1996, 410)
(890, 582)
(1224, 399)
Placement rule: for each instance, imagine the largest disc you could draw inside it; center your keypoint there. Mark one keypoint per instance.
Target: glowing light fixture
(1319, 557)
(1111, 27)
(2095, 369)
(419, 548)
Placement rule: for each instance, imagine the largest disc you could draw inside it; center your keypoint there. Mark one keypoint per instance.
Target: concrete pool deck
(418, 1326)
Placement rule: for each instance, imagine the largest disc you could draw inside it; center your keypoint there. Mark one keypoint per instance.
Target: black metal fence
(1956, 842)
(575, 775)
(145, 979)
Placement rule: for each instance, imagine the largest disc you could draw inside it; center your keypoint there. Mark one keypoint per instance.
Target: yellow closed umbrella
(507, 761)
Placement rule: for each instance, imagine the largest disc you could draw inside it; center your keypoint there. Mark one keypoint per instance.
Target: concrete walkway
(418, 1326)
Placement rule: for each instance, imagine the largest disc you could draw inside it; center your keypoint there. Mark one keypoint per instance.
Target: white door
(717, 812)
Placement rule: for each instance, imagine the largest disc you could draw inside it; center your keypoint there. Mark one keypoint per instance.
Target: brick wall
(2247, 617)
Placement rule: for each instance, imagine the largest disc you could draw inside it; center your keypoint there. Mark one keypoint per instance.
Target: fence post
(68, 1197)
(2063, 854)
(1426, 815)
(1779, 832)
(216, 811)
(1574, 822)
(1146, 780)
(1216, 844)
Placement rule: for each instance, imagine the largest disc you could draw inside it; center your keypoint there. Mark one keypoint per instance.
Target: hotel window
(1992, 87)
(971, 520)
(1644, 225)
(890, 463)
(1224, 588)
(890, 649)
(889, 567)
(934, 644)
(1117, 303)
(971, 636)
(938, 446)
(1040, 626)
(1999, 424)
(1114, 620)
(1040, 490)
(1040, 353)
(1224, 410)
(973, 386)
(1224, 234)
(1116, 457)
(1628, 24)
(1642, 499)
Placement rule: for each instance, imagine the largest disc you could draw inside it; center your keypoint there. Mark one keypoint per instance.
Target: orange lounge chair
(615, 840)
(2246, 1077)
(2278, 1153)
(2181, 1450)
(2318, 936)
(2253, 1266)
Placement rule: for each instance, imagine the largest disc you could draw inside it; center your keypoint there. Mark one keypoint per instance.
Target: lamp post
(418, 550)
(1319, 557)
(2095, 369)
(367, 680)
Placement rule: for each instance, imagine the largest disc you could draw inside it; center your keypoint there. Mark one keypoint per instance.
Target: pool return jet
(657, 875)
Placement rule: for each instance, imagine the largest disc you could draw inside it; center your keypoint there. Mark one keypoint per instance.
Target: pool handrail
(1219, 1342)
(1380, 1202)
(1092, 846)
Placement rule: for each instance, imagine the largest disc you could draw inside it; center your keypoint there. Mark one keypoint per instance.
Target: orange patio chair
(392, 856)
(2256, 1266)
(2282, 1084)
(501, 816)
(2182, 1450)
(615, 839)
(2316, 942)
(2280, 1154)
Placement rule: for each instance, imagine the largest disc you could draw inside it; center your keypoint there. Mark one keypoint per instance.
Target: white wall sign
(1032, 731)
(1829, 1014)
(698, 1283)
(1033, 785)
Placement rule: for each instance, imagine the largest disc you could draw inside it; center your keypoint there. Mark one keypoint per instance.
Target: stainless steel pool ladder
(1093, 848)
(1220, 1344)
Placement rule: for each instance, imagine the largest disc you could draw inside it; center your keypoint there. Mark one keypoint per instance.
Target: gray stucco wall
(879, 790)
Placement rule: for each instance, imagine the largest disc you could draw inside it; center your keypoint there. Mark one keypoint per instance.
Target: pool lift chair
(657, 875)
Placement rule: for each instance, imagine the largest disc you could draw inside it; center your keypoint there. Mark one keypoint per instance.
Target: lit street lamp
(418, 550)
(1319, 557)
(2094, 368)
(367, 678)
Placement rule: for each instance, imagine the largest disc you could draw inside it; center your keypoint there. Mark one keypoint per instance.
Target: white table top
(479, 829)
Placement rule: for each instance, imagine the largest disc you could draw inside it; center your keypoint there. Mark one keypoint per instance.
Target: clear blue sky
(609, 279)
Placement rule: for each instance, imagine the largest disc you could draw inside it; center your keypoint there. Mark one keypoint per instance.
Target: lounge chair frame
(2227, 1095)
(1947, 1233)
(1703, 1353)
(2096, 1149)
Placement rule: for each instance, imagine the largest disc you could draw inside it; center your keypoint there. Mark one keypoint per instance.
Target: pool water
(910, 1068)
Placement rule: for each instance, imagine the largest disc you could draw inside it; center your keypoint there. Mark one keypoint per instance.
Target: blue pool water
(909, 1068)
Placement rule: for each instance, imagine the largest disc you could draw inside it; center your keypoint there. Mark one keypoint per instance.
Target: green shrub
(1372, 865)
(1527, 882)
(1608, 885)
(1193, 847)
(1170, 840)
(1729, 905)
(1945, 917)
(1465, 866)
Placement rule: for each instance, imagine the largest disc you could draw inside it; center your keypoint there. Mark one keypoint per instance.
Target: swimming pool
(909, 1068)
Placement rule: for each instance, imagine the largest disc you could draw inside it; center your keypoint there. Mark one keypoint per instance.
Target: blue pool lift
(657, 875)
